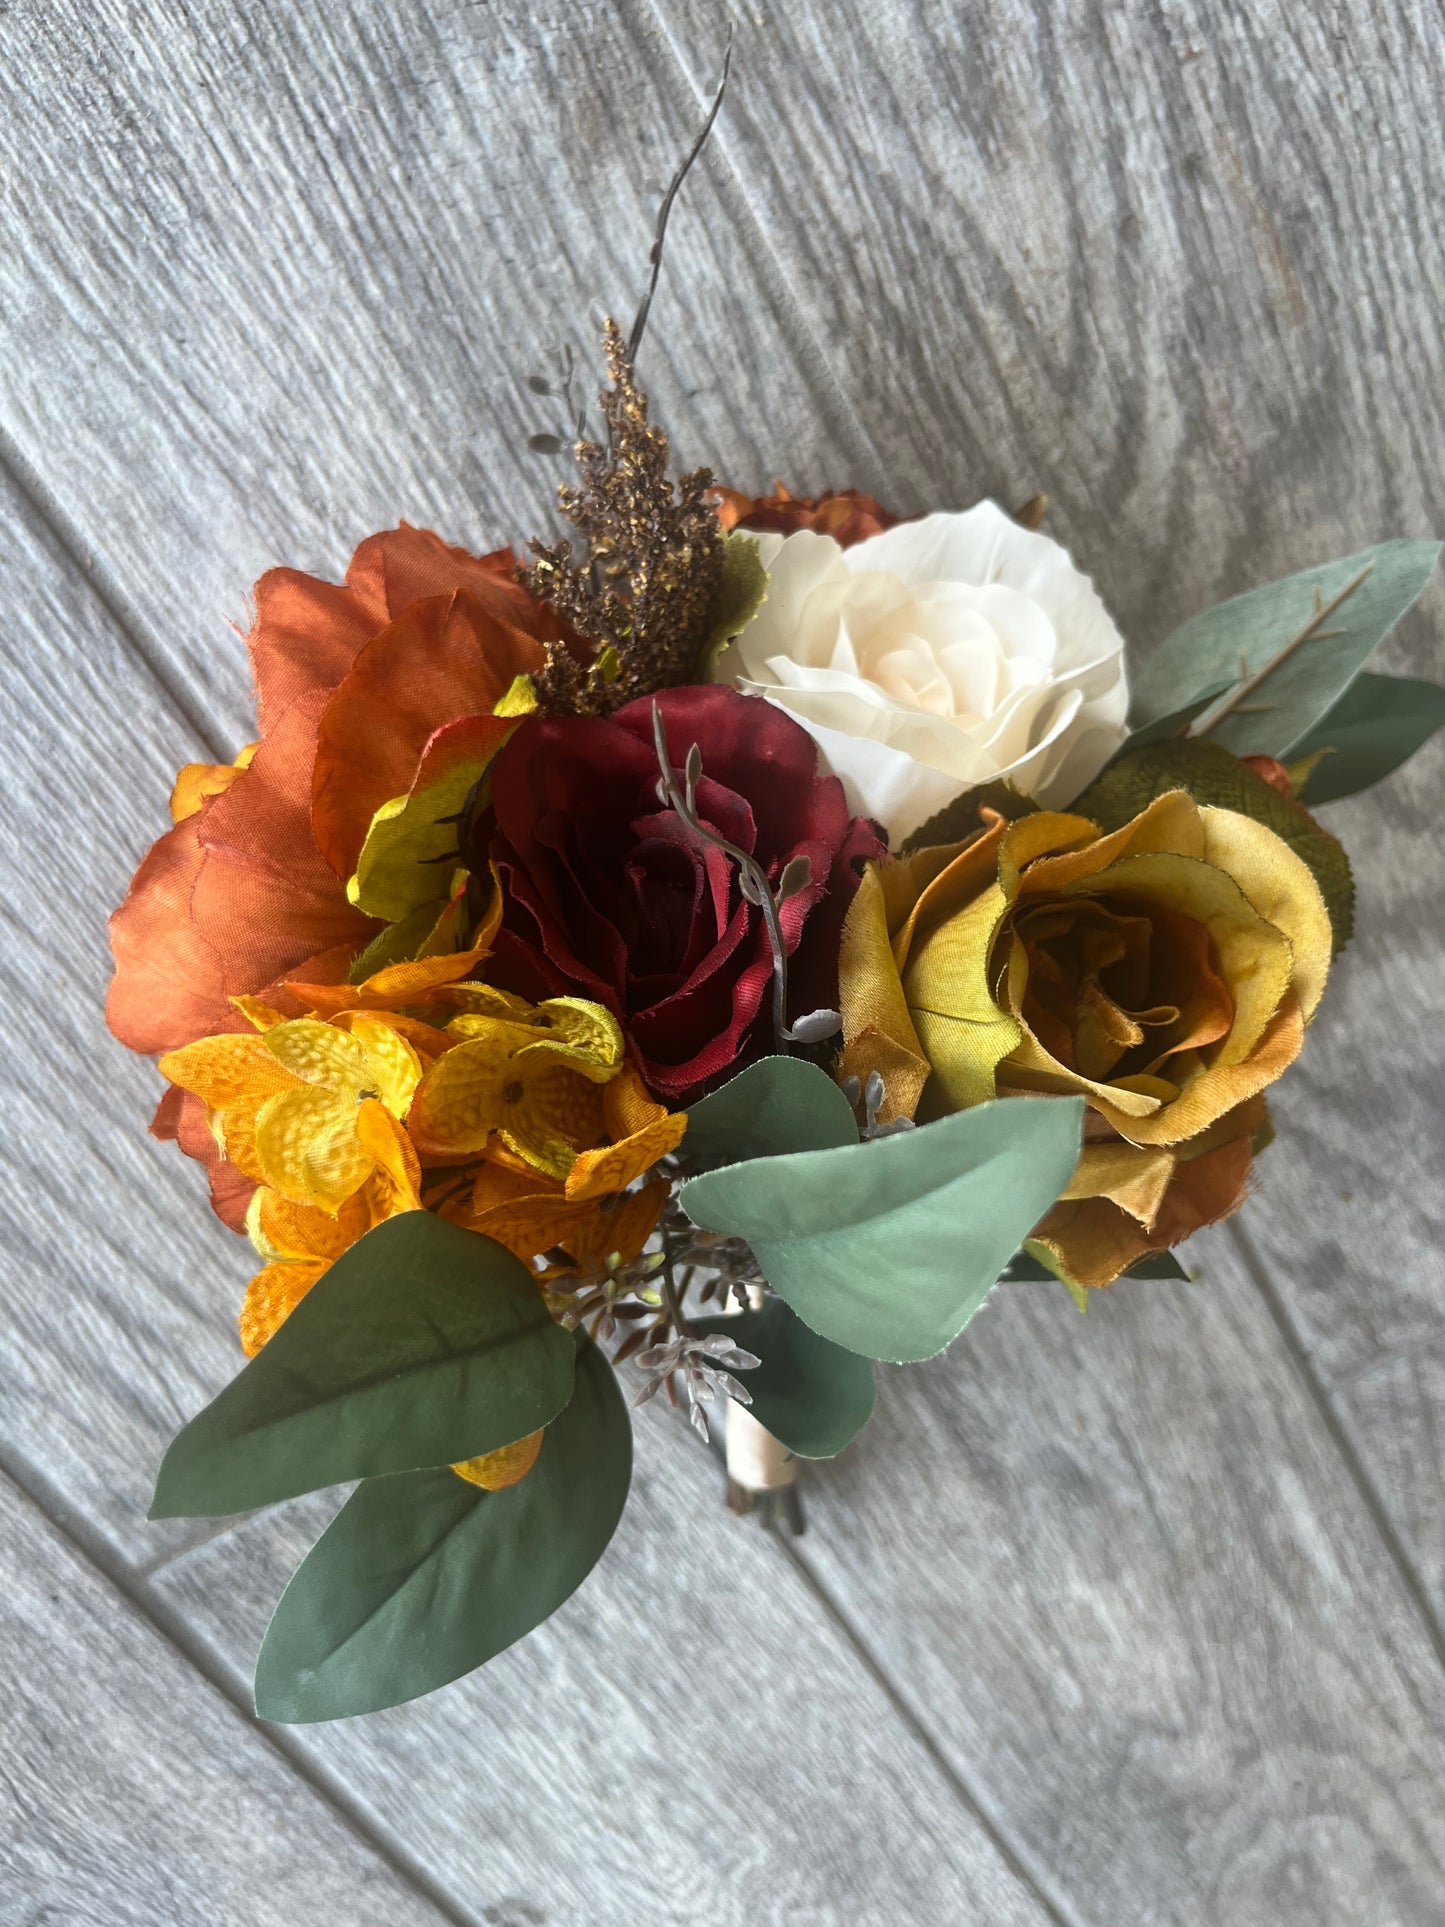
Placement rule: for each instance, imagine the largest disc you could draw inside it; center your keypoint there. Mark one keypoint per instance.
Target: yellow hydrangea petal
(628, 1105)
(615, 1166)
(307, 1146)
(281, 1229)
(616, 1228)
(225, 1072)
(393, 1067)
(458, 1103)
(386, 1143)
(486, 1001)
(508, 1465)
(272, 1295)
(1282, 889)
(549, 1112)
(587, 1034)
(261, 1016)
(196, 783)
(319, 1054)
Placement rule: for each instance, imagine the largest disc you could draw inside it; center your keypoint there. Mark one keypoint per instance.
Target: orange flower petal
(272, 1295)
(195, 782)
(227, 1071)
(508, 1465)
(615, 1166)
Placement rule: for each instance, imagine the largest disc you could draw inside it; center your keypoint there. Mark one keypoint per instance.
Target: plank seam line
(968, 1793)
(1354, 1376)
(815, 364)
(1038, 1883)
(192, 1646)
(1342, 1437)
(65, 539)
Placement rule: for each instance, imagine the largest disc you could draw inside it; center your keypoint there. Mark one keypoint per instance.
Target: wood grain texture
(1164, 1634)
(131, 1793)
(270, 277)
(119, 1291)
(284, 269)
(688, 1738)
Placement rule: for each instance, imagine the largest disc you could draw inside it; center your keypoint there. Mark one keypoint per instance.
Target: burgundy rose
(611, 896)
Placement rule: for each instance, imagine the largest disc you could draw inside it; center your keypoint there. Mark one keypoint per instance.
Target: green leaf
(961, 819)
(778, 1104)
(1377, 724)
(1254, 628)
(403, 865)
(423, 1344)
(742, 589)
(423, 1577)
(890, 1247)
(1164, 727)
(812, 1395)
(1212, 775)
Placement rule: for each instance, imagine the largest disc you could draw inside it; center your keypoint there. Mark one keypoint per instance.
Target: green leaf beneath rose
(1377, 725)
(423, 1576)
(1212, 775)
(423, 1344)
(812, 1395)
(777, 1105)
(1238, 638)
(741, 592)
(888, 1248)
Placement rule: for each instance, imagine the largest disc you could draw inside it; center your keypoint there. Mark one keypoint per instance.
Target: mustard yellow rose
(1165, 972)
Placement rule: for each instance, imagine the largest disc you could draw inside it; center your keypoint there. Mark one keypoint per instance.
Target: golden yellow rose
(1165, 972)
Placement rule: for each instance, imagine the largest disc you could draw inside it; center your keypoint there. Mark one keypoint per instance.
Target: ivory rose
(1164, 972)
(936, 656)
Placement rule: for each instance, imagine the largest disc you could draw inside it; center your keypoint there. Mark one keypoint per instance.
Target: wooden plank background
(1128, 1620)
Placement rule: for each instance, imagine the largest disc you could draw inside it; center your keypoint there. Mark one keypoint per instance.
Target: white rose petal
(941, 654)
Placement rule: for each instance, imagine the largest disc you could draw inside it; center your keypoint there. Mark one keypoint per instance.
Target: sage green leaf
(422, 1577)
(741, 591)
(423, 1344)
(1251, 630)
(1213, 775)
(778, 1104)
(812, 1395)
(1377, 724)
(1164, 727)
(890, 1247)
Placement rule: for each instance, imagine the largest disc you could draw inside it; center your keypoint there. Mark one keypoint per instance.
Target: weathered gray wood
(132, 1794)
(118, 1290)
(1118, 1564)
(284, 270)
(266, 278)
(688, 1739)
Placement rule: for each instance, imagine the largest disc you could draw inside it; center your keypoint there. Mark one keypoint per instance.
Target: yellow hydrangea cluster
(518, 1120)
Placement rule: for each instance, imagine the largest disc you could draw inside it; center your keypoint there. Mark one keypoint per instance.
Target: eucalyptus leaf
(423, 1344)
(1249, 630)
(422, 1577)
(812, 1395)
(1377, 724)
(890, 1247)
(777, 1105)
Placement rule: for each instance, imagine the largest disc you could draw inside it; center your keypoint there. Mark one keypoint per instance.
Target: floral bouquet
(706, 958)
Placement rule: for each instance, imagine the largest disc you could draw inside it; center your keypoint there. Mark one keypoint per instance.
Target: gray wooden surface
(1128, 1620)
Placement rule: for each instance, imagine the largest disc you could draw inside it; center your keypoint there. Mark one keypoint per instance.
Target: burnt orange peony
(249, 886)
(840, 512)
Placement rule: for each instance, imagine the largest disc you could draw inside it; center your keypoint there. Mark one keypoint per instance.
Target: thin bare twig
(752, 878)
(634, 340)
(1239, 697)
